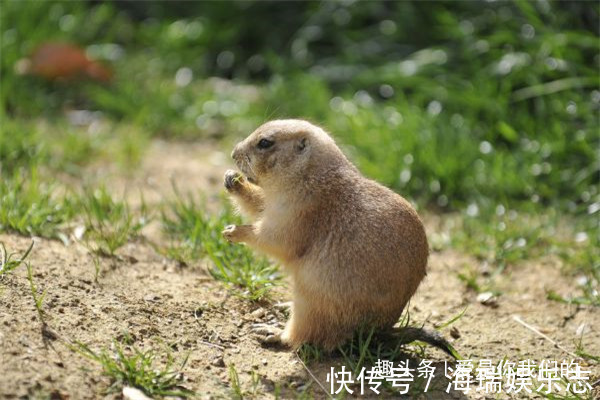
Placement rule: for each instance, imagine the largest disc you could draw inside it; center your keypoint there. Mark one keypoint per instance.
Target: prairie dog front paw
(233, 180)
(229, 233)
(238, 233)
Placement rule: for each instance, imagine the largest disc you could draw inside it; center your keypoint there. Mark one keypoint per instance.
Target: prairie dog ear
(301, 144)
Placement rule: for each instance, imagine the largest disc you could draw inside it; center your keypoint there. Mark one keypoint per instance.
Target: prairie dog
(355, 250)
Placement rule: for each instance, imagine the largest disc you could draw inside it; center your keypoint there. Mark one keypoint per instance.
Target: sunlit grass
(129, 366)
(7, 261)
(38, 298)
(31, 206)
(109, 223)
(503, 238)
(194, 233)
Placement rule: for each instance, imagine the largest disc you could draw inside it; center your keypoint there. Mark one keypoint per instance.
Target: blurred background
(478, 107)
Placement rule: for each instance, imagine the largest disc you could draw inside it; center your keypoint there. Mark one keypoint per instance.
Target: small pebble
(130, 393)
(454, 332)
(218, 362)
(152, 297)
(488, 299)
(258, 313)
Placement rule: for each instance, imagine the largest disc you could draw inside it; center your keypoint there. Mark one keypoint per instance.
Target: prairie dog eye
(265, 144)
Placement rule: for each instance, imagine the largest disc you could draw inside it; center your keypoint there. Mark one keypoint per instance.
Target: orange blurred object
(55, 61)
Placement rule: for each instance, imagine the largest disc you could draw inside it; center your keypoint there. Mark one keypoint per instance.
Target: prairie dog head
(279, 152)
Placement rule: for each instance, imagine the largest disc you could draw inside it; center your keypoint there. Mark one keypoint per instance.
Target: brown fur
(355, 250)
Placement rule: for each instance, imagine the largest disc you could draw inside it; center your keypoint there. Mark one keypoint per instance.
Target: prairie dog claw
(267, 334)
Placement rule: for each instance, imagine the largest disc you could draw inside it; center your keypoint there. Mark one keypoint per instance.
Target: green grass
(38, 298)
(129, 366)
(501, 239)
(589, 296)
(194, 233)
(7, 263)
(239, 266)
(110, 224)
(237, 392)
(187, 225)
(581, 351)
(234, 380)
(69, 144)
(520, 123)
(30, 206)
(56, 145)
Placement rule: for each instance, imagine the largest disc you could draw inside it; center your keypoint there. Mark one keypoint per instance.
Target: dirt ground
(163, 306)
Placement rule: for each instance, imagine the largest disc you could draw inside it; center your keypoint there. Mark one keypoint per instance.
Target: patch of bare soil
(183, 310)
